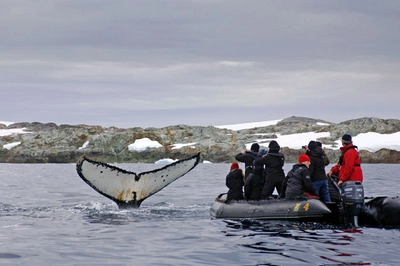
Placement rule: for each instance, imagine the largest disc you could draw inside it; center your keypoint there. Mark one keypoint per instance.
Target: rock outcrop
(51, 143)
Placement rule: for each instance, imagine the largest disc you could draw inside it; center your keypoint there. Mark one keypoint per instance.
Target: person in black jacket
(273, 161)
(235, 182)
(298, 180)
(317, 171)
(247, 157)
(326, 158)
(254, 183)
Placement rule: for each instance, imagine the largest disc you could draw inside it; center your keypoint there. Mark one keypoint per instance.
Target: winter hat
(234, 166)
(312, 145)
(255, 147)
(262, 152)
(319, 143)
(346, 137)
(304, 158)
(273, 145)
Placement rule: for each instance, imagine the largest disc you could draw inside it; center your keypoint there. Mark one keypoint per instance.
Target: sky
(364, 141)
(147, 63)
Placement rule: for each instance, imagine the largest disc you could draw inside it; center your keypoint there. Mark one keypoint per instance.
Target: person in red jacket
(349, 166)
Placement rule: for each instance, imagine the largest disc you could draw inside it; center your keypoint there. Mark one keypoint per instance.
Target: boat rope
(369, 211)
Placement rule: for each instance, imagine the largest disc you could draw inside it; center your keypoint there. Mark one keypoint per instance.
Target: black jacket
(235, 183)
(297, 182)
(247, 159)
(273, 162)
(317, 167)
(254, 184)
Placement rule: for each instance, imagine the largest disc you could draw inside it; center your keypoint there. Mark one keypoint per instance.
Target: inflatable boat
(352, 208)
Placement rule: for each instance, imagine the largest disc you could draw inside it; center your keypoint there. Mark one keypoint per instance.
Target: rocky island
(50, 143)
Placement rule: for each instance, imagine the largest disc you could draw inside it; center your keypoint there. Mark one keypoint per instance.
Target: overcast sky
(198, 62)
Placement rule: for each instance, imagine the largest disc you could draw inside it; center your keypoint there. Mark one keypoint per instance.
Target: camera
(303, 147)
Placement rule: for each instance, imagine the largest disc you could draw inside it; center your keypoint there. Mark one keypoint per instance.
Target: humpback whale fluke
(129, 189)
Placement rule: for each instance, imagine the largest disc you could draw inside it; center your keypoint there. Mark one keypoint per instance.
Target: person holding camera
(248, 157)
(317, 171)
(274, 173)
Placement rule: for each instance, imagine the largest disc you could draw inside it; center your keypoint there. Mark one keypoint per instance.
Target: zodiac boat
(351, 208)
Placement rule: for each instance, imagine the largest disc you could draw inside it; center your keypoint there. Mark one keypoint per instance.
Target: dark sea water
(49, 216)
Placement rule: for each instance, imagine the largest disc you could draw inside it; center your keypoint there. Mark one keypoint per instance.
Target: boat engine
(353, 200)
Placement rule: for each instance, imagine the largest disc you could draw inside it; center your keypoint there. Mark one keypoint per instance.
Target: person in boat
(349, 166)
(273, 163)
(317, 171)
(334, 190)
(247, 157)
(298, 180)
(235, 182)
(254, 183)
(326, 158)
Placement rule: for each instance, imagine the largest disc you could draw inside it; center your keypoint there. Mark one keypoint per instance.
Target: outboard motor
(353, 199)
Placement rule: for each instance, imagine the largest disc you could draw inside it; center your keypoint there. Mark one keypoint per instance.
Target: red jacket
(349, 169)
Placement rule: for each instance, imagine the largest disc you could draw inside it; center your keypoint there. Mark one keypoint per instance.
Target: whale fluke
(128, 189)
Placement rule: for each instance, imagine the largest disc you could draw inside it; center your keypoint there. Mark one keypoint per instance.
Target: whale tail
(128, 189)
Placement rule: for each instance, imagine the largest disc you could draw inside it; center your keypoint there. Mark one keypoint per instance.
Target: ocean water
(49, 216)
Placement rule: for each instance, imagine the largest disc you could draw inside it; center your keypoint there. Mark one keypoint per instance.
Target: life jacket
(347, 149)
(350, 170)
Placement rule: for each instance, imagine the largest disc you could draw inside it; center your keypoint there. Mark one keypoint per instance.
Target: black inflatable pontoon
(272, 209)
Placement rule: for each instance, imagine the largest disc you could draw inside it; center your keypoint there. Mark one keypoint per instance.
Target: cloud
(331, 60)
